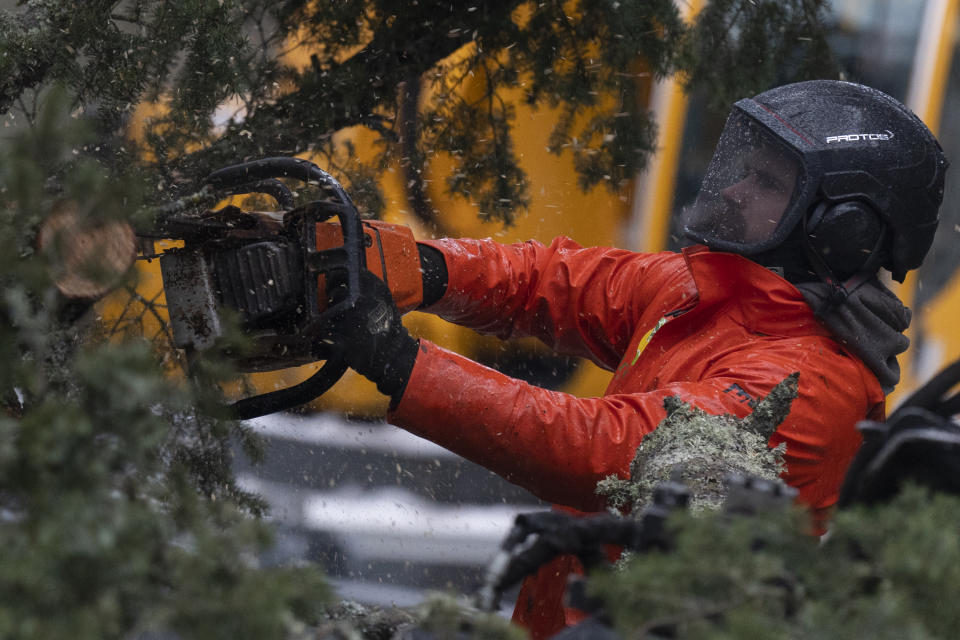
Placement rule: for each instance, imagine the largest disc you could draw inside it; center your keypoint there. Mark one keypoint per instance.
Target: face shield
(748, 202)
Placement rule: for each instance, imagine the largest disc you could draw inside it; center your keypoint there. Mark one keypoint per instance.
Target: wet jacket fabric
(715, 329)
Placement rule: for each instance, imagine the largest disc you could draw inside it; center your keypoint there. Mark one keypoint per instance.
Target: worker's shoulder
(822, 360)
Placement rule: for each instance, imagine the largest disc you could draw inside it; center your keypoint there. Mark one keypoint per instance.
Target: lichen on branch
(703, 449)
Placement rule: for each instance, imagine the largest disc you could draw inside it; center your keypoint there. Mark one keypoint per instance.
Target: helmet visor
(748, 192)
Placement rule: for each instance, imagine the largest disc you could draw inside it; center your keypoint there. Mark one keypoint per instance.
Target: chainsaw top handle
(348, 260)
(233, 179)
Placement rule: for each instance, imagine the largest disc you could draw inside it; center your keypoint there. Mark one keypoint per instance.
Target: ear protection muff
(846, 237)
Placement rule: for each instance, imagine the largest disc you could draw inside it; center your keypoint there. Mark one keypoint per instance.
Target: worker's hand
(371, 338)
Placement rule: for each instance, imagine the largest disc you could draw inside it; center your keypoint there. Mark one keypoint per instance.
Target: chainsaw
(271, 272)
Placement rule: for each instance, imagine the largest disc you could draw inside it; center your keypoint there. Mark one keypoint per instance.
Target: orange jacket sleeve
(580, 301)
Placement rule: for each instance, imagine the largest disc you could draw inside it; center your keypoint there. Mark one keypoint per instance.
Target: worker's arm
(559, 446)
(582, 302)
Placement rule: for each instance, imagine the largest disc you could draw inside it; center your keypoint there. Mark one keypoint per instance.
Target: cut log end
(89, 258)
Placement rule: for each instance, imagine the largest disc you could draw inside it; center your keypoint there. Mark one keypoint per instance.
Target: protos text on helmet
(857, 137)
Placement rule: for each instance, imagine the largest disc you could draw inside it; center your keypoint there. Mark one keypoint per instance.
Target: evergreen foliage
(119, 513)
(445, 617)
(888, 571)
(777, 42)
(367, 61)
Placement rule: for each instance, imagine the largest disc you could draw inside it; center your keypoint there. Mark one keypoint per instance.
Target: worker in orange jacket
(813, 188)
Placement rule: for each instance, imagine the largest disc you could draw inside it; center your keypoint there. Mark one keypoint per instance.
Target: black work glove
(371, 338)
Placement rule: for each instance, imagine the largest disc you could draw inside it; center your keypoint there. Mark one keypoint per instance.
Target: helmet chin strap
(840, 290)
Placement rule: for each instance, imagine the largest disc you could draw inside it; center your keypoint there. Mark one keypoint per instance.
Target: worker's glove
(371, 338)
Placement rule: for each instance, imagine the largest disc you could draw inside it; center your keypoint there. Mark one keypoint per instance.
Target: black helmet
(831, 156)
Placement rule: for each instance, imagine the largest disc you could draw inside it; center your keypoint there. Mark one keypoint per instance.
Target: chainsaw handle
(350, 258)
(289, 397)
(271, 186)
(280, 167)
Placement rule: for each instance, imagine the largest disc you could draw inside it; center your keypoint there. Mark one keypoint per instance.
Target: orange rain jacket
(715, 329)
